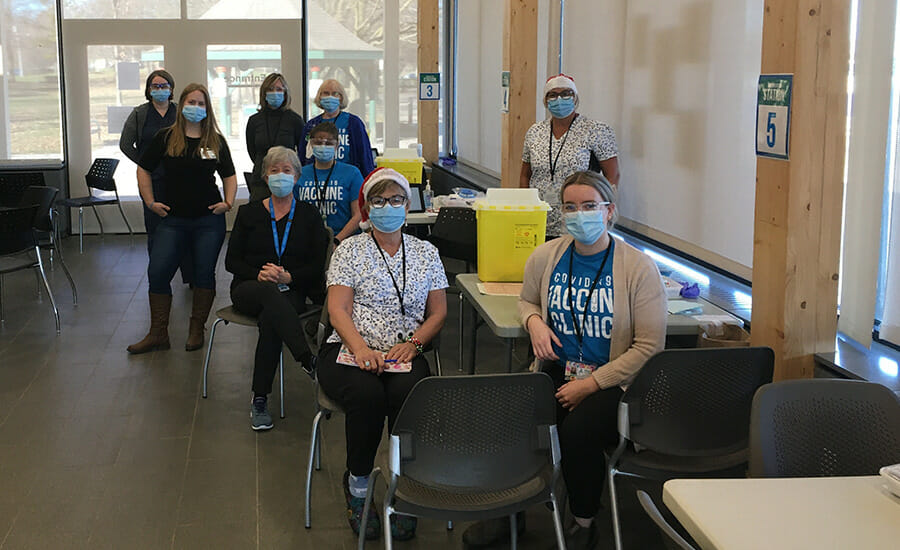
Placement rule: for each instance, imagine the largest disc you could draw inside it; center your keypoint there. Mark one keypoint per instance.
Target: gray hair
(279, 154)
(599, 183)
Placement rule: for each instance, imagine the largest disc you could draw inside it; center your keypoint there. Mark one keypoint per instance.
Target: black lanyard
(579, 326)
(388, 266)
(553, 162)
(322, 193)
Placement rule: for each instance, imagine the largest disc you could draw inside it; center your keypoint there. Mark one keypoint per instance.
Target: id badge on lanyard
(282, 246)
(576, 370)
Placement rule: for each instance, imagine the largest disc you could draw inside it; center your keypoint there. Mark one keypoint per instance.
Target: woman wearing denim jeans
(193, 216)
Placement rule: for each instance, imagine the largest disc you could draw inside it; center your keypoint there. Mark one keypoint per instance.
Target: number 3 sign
(429, 86)
(773, 115)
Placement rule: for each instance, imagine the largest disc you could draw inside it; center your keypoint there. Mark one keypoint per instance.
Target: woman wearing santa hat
(564, 144)
(386, 300)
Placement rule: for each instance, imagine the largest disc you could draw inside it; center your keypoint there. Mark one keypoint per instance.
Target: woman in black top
(275, 124)
(277, 255)
(193, 214)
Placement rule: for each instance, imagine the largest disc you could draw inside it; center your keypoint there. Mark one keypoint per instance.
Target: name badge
(207, 154)
(283, 287)
(578, 371)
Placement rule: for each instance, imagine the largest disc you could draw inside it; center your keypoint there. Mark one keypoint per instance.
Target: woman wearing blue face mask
(277, 255)
(275, 123)
(192, 152)
(595, 309)
(386, 300)
(564, 144)
(353, 140)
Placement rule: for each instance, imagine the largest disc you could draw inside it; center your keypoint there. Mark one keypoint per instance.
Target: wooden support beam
(428, 58)
(520, 59)
(797, 227)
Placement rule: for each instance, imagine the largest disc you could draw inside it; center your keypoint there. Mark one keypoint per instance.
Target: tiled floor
(99, 449)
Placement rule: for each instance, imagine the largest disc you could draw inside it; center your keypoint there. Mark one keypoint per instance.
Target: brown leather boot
(158, 337)
(203, 301)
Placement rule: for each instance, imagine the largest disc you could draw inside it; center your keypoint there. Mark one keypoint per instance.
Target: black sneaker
(491, 531)
(260, 419)
(309, 366)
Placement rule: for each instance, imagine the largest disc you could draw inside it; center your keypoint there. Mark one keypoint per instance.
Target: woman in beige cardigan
(596, 311)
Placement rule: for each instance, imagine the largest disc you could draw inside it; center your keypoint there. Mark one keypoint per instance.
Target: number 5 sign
(429, 86)
(773, 115)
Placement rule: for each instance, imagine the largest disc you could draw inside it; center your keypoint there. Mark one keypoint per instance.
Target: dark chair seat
(79, 202)
(648, 463)
(15, 262)
(100, 176)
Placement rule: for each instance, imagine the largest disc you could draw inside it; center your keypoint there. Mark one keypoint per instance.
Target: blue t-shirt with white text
(597, 325)
(332, 198)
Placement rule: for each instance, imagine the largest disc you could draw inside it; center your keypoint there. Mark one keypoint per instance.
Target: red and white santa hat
(560, 81)
(377, 175)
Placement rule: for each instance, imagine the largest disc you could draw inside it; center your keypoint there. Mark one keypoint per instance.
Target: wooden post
(797, 227)
(520, 59)
(428, 58)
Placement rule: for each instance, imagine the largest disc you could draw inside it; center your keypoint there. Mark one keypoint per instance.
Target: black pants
(366, 398)
(277, 313)
(583, 435)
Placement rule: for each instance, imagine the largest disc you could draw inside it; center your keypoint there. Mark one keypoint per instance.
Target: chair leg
(513, 532)
(128, 225)
(614, 507)
(437, 361)
(461, 307)
(370, 500)
(40, 268)
(212, 337)
(313, 441)
(99, 221)
(319, 448)
(281, 380)
(69, 277)
(2, 318)
(81, 230)
(449, 525)
(557, 523)
(37, 279)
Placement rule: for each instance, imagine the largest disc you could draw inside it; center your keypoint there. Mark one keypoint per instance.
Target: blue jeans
(175, 237)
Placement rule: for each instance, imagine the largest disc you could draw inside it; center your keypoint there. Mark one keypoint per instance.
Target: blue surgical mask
(160, 95)
(388, 219)
(280, 184)
(561, 107)
(323, 153)
(274, 99)
(193, 113)
(330, 103)
(586, 227)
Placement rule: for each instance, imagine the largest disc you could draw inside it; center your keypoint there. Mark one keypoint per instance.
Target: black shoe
(491, 531)
(309, 366)
(582, 538)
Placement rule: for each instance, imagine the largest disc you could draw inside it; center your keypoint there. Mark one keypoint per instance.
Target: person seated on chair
(386, 300)
(331, 185)
(595, 309)
(277, 255)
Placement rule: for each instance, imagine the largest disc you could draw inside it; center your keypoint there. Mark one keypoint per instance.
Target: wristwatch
(337, 241)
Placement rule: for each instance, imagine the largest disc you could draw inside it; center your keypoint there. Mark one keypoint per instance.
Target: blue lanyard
(279, 250)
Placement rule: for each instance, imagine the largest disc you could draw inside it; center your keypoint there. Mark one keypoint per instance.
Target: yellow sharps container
(511, 224)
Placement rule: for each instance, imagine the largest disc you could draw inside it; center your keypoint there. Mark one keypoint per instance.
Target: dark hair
(165, 74)
(324, 127)
(270, 81)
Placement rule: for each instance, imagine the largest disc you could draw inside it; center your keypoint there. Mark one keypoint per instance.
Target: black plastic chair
(467, 448)
(46, 226)
(455, 234)
(14, 184)
(17, 240)
(823, 427)
(689, 412)
(671, 534)
(100, 177)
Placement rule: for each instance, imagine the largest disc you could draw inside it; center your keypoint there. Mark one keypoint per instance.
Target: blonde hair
(270, 81)
(380, 187)
(340, 90)
(599, 183)
(210, 139)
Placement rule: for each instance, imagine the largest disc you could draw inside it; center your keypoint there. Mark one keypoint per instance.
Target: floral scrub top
(377, 311)
(563, 157)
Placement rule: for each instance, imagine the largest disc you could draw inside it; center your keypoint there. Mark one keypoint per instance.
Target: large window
(30, 114)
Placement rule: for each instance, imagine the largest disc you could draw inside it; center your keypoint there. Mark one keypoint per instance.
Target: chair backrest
(100, 176)
(696, 402)
(14, 184)
(476, 433)
(17, 229)
(455, 233)
(43, 198)
(823, 427)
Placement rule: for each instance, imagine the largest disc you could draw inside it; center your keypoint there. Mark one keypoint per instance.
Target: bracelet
(416, 342)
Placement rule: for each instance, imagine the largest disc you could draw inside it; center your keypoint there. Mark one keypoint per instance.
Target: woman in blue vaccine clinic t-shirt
(353, 147)
(332, 186)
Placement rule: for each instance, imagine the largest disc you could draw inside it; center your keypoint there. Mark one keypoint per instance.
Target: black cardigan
(251, 246)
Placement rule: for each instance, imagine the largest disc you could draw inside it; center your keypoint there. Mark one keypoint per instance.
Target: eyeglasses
(381, 202)
(329, 142)
(163, 86)
(589, 206)
(564, 94)
(330, 94)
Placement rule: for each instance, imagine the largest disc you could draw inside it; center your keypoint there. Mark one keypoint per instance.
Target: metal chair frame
(103, 182)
